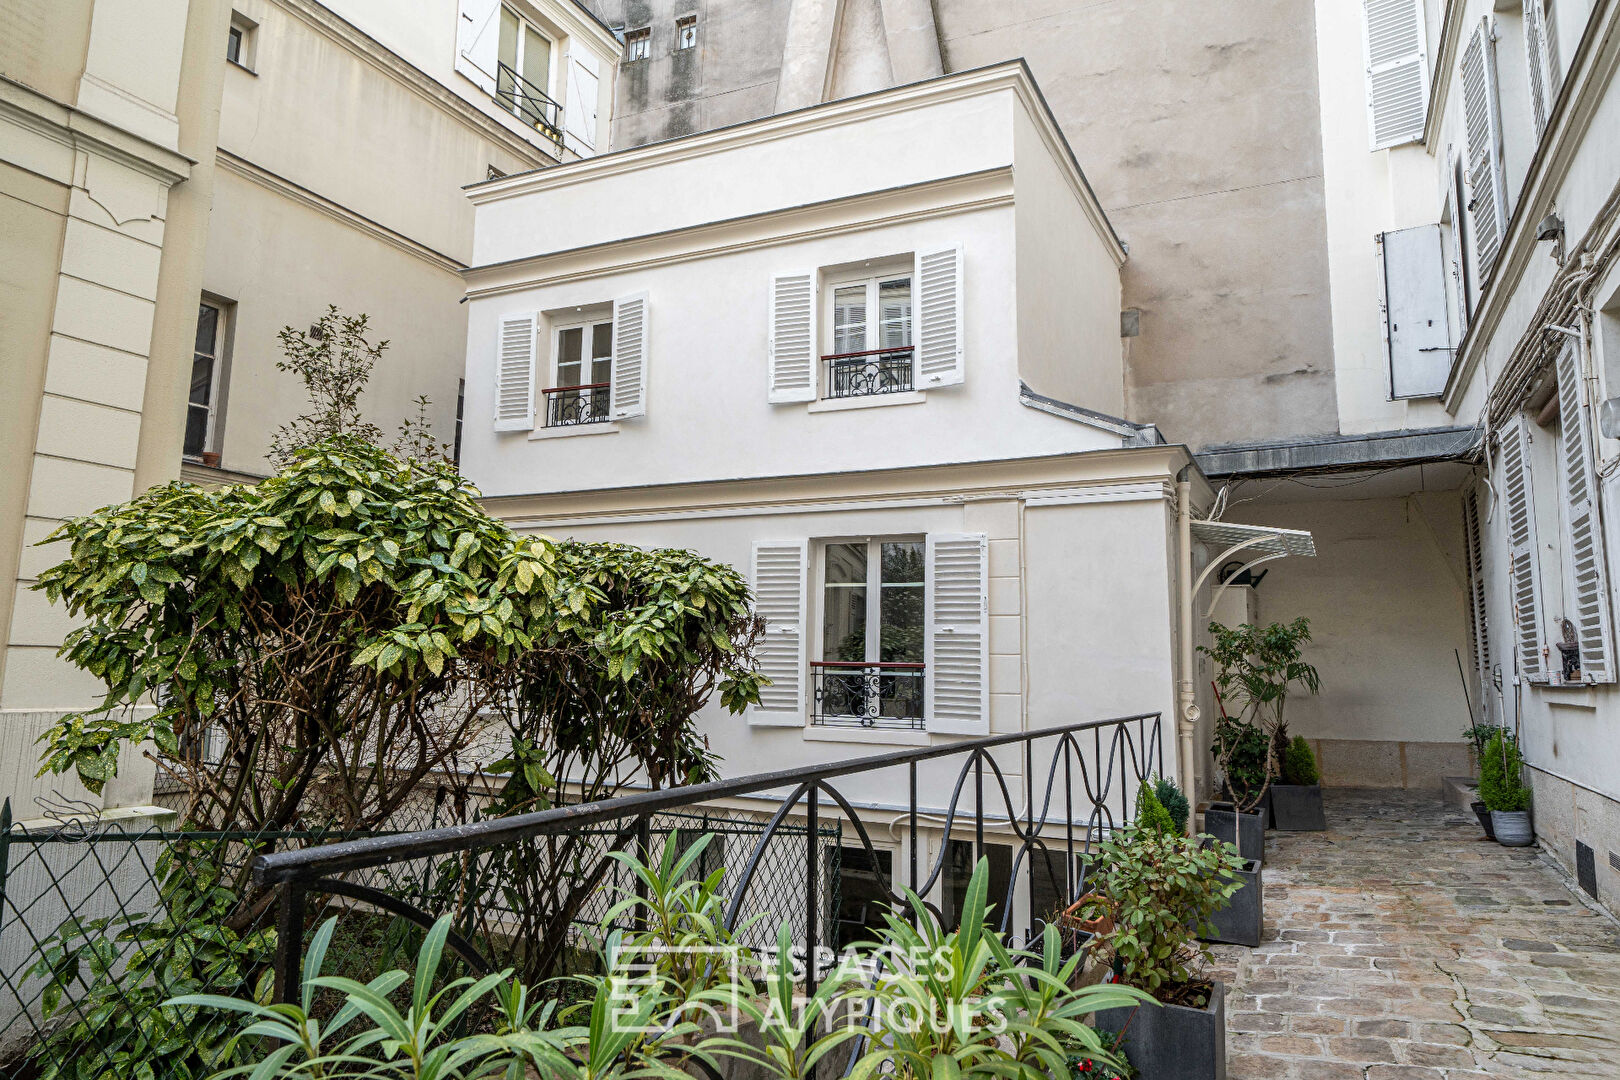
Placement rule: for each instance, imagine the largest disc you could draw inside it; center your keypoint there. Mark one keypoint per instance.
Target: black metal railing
(584, 404)
(861, 374)
(862, 695)
(528, 103)
(1074, 784)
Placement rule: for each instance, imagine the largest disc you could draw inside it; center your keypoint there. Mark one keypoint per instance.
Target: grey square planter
(1297, 808)
(1247, 831)
(1244, 916)
(1173, 1042)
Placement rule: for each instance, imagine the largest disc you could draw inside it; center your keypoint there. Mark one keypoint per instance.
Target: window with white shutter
(477, 41)
(514, 373)
(1586, 579)
(938, 317)
(1461, 282)
(1541, 58)
(629, 397)
(1397, 71)
(1524, 569)
(1417, 328)
(956, 623)
(791, 351)
(581, 108)
(1482, 120)
(1478, 628)
(778, 576)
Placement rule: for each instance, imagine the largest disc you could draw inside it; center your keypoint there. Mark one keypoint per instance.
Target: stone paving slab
(1402, 945)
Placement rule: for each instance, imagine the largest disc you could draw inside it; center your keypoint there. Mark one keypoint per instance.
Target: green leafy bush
(1151, 813)
(1501, 779)
(1299, 763)
(1174, 802)
(1243, 751)
(1160, 891)
(1256, 667)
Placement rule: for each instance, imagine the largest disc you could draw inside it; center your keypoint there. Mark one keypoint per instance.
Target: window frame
(223, 311)
(553, 39)
(637, 45)
(872, 630)
(886, 272)
(242, 33)
(684, 23)
(587, 326)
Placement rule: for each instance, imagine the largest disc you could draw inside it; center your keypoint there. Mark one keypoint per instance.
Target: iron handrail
(349, 855)
(528, 102)
(866, 664)
(581, 386)
(869, 352)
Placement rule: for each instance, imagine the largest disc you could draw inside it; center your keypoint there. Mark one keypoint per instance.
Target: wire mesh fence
(102, 921)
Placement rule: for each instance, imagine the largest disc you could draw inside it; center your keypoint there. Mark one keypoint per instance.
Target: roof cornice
(1012, 74)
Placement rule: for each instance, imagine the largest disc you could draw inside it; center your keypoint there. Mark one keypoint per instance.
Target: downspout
(1187, 706)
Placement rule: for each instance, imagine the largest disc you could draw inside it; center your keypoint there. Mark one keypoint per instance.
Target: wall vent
(1586, 869)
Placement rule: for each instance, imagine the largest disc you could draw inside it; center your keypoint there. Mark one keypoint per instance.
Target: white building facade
(868, 352)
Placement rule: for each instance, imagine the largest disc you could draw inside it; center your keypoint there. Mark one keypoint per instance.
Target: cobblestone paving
(1401, 945)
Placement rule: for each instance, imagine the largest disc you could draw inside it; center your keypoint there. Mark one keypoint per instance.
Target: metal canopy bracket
(1264, 542)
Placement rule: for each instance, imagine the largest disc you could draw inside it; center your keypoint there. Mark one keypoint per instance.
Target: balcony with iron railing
(583, 404)
(862, 374)
(528, 103)
(852, 693)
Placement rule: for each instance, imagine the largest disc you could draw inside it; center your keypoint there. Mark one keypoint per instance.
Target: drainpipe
(1187, 707)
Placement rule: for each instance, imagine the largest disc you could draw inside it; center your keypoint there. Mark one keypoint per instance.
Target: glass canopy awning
(1257, 544)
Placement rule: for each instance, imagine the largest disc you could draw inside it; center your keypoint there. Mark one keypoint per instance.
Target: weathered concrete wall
(1196, 123)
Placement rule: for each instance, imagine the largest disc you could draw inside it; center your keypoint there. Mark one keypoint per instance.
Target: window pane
(196, 430)
(849, 319)
(844, 623)
(536, 61)
(509, 38)
(1048, 884)
(602, 339)
(846, 563)
(569, 343)
(233, 45)
(862, 898)
(207, 328)
(959, 869)
(902, 624)
(602, 370)
(903, 562)
(202, 380)
(894, 313)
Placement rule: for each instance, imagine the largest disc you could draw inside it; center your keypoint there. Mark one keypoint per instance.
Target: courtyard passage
(1402, 945)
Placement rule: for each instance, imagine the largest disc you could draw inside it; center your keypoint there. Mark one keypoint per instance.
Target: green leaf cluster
(1256, 668)
(1501, 774)
(1299, 763)
(1151, 814)
(1174, 802)
(1160, 890)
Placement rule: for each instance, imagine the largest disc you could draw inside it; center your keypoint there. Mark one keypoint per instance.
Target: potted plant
(1161, 888)
(1256, 669)
(1478, 735)
(1504, 792)
(1240, 919)
(1240, 820)
(1174, 801)
(1296, 803)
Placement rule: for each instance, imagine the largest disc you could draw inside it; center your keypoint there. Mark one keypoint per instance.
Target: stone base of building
(1378, 763)
(1580, 829)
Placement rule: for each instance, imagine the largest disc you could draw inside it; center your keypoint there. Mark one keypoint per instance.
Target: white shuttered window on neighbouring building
(1541, 58)
(630, 352)
(514, 372)
(938, 318)
(956, 623)
(1482, 119)
(1417, 324)
(1586, 584)
(1524, 568)
(1478, 610)
(1397, 71)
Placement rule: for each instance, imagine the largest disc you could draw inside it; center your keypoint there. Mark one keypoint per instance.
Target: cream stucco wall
(1387, 602)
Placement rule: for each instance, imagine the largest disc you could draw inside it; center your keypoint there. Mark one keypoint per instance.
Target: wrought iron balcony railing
(876, 371)
(528, 103)
(569, 405)
(856, 694)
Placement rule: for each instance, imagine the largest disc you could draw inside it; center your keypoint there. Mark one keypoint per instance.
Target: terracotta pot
(1098, 926)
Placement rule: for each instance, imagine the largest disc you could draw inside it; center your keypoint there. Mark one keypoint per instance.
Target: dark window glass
(862, 896)
(959, 864)
(233, 45)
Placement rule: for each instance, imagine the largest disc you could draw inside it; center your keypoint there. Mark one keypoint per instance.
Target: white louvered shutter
(938, 321)
(1536, 60)
(779, 573)
(1478, 610)
(478, 38)
(792, 346)
(957, 623)
(1397, 71)
(1482, 119)
(514, 373)
(1523, 557)
(1584, 563)
(1549, 51)
(629, 390)
(580, 110)
(1461, 282)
